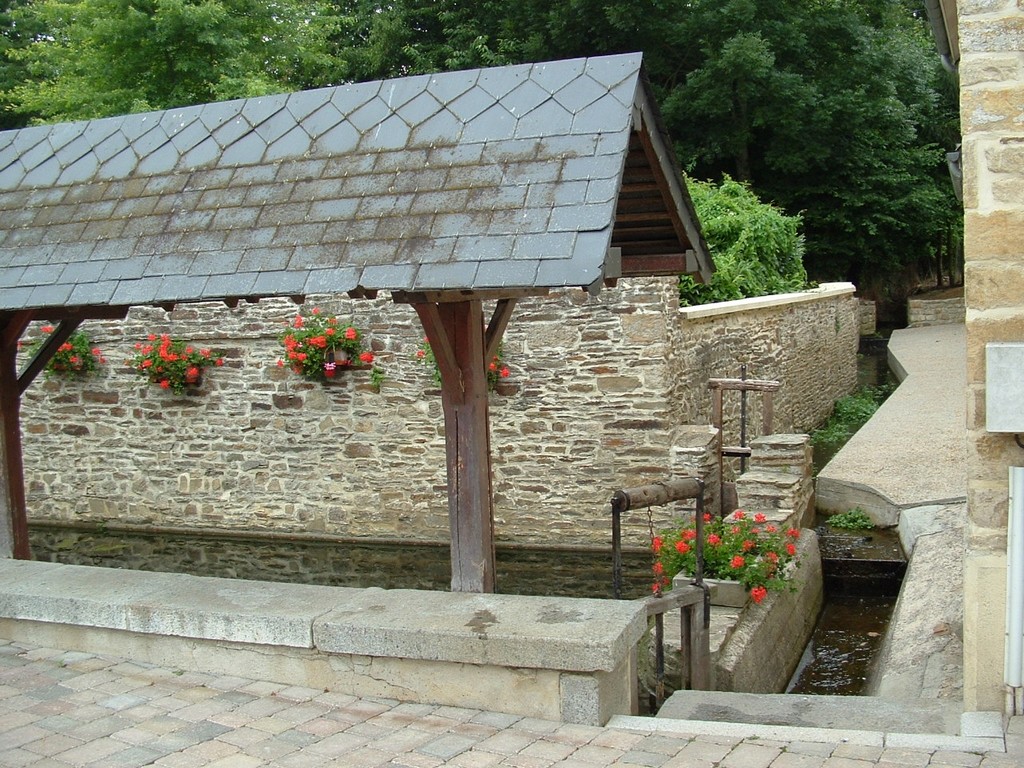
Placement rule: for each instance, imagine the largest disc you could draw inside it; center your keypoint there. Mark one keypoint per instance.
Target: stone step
(864, 713)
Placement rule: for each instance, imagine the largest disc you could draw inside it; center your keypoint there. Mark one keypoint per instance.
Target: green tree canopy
(107, 57)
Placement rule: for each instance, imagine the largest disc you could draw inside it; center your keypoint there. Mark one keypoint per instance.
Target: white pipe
(1014, 662)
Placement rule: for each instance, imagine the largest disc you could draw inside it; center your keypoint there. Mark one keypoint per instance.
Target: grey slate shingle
(505, 177)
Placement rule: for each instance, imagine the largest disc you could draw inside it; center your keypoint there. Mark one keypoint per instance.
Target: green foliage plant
(855, 519)
(75, 358)
(757, 249)
(172, 363)
(742, 547)
(496, 368)
(95, 58)
(849, 414)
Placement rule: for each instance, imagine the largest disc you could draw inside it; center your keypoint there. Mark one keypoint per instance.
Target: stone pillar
(779, 482)
(991, 94)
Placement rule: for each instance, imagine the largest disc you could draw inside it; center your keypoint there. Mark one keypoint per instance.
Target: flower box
(725, 593)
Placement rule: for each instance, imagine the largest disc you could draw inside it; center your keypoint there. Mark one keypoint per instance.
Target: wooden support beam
(496, 328)
(13, 518)
(441, 346)
(45, 353)
(456, 334)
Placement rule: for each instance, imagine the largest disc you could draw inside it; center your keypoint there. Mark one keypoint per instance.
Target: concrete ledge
(765, 647)
(825, 290)
(791, 733)
(556, 658)
(507, 630)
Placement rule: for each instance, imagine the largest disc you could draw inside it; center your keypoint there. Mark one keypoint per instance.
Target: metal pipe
(1014, 657)
(616, 551)
(937, 21)
(743, 417)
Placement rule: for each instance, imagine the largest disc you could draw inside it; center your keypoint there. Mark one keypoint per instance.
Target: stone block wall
(991, 94)
(935, 312)
(807, 341)
(592, 405)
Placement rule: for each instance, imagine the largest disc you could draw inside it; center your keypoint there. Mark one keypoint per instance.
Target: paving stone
(796, 760)
(858, 751)
(509, 742)
(750, 756)
(447, 746)
(641, 757)
(847, 762)
(548, 750)
(476, 759)
(904, 757)
(944, 757)
(380, 733)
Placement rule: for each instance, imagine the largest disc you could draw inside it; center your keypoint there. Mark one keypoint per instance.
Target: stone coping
(566, 634)
(823, 291)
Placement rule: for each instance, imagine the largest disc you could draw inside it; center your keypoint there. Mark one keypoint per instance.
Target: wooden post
(13, 517)
(456, 333)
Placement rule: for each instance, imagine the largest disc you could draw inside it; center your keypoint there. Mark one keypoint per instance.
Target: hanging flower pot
(171, 363)
(319, 347)
(75, 358)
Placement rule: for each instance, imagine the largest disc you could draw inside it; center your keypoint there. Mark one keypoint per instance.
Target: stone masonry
(605, 392)
(935, 312)
(991, 94)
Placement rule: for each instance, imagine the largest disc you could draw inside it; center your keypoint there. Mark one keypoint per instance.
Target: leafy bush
(756, 248)
(849, 414)
(852, 519)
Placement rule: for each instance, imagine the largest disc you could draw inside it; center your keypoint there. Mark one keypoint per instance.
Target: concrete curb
(929, 741)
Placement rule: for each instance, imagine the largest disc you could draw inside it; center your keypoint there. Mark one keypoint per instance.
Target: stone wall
(598, 399)
(991, 94)
(808, 341)
(935, 311)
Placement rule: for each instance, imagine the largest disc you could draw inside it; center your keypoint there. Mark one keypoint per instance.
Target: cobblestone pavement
(63, 708)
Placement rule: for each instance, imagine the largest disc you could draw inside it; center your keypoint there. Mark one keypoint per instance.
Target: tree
(834, 110)
(13, 36)
(827, 108)
(107, 57)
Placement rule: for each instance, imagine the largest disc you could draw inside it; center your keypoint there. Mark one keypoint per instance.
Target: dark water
(862, 571)
(843, 650)
(519, 571)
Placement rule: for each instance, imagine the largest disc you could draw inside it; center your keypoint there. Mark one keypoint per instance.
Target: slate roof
(502, 178)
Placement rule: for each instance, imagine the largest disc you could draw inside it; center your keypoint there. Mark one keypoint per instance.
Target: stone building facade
(605, 392)
(991, 45)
